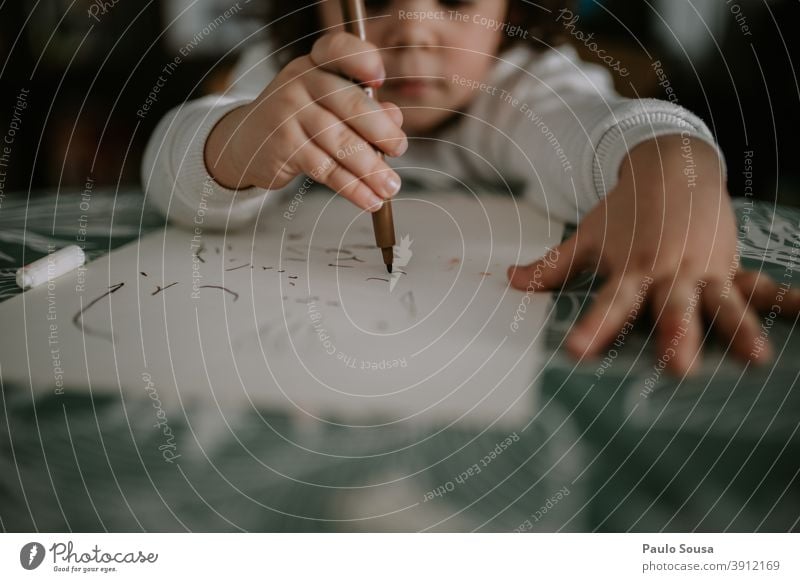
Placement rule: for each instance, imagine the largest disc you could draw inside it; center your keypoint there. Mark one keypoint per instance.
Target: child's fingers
(323, 169)
(617, 305)
(735, 322)
(367, 118)
(394, 112)
(676, 307)
(764, 294)
(351, 151)
(554, 269)
(348, 56)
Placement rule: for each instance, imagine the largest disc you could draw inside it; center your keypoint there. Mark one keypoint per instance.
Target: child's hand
(657, 241)
(311, 119)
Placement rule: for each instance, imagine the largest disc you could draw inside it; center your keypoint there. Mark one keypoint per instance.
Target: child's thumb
(551, 271)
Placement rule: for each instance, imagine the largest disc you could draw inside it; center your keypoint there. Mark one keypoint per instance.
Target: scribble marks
(77, 319)
(342, 251)
(237, 268)
(159, 288)
(198, 254)
(221, 288)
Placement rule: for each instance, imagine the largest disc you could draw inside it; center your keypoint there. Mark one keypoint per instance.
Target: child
(472, 89)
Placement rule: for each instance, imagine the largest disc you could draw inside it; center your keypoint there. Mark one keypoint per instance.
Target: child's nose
(409, 29)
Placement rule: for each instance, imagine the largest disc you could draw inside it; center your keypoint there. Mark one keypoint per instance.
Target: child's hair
(296, 25)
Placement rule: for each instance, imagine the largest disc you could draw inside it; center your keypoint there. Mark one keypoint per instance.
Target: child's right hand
(311, 119)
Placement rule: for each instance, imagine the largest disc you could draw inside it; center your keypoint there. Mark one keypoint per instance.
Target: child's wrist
(664, 160)
(220, 154)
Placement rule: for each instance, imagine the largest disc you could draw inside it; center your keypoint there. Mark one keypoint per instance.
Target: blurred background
(86, 67)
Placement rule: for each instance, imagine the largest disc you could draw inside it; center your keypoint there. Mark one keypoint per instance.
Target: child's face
(425, 44)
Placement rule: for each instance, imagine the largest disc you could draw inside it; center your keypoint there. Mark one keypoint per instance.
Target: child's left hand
(665, 236)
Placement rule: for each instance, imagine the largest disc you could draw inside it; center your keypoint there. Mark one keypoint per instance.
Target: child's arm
(647, 185)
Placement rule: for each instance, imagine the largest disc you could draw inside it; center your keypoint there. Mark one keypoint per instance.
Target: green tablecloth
(720, 452)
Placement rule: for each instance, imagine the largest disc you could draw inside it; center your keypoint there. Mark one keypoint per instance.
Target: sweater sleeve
(174, 173)
(175, 176)
(564, 132)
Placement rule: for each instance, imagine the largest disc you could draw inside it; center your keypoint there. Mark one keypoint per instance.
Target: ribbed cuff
(195, 133)
(637, 122)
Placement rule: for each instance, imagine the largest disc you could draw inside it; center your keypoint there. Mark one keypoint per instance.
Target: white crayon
(53, 265)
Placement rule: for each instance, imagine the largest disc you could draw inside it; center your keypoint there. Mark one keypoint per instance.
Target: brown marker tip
(388, 257)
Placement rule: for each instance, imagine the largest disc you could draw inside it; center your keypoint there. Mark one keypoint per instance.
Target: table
(601, 453)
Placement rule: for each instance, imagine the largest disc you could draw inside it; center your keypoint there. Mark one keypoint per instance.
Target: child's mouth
(413, 88)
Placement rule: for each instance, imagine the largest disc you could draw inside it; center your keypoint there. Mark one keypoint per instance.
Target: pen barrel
(383, 224)
(353, 15)
(382, 221)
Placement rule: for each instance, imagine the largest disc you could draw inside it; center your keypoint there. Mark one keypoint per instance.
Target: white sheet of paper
(308, 324)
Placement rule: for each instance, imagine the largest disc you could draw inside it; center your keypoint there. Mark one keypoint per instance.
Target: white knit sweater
(548, 121)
